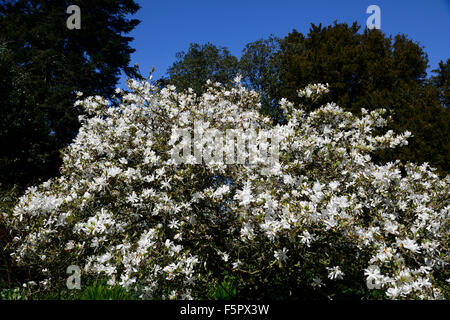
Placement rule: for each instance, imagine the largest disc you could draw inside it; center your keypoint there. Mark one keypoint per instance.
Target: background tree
(369, 70)
(442, 82)
(39, 117)
(259, 69)
(17, 109)
(200, 63)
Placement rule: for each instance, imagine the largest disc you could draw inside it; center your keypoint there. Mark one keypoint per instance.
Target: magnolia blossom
(335, 273)
(314, 90)
(124, 210)
(410, 244)
(317, 282)
(244, 196)
(281, 255)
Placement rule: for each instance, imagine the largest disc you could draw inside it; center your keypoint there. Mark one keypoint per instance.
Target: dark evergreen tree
(442, 82)
(22, 126)
(259, 68)
(53, 63)
(369, 70)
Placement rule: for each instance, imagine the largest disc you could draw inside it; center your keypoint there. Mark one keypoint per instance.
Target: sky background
(168, 27)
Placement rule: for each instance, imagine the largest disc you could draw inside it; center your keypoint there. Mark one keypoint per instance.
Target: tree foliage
(200, 63)
(259, 69)
(369, 70)
(52, 63)
(442, 81)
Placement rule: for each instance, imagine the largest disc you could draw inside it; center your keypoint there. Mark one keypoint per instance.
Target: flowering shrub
(323, 221)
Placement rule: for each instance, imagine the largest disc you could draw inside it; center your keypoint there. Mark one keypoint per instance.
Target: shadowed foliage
(43, 64)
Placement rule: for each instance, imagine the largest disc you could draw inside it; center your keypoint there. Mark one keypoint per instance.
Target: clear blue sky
(170, 26)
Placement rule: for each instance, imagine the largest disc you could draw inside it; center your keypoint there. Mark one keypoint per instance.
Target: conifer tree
(58, 62)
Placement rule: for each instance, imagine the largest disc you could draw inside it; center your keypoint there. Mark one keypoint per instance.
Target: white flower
(174, 224)
(391, 227)
(393, 292)
(410, 245)
(334, 185)
(223, 255)
(166, 184)
(247, 231)
(70, 245)
(173, 295)
(281, 255)
(244, 196)
(133, 198)
(313, 90)
(335, 273)
(317, 282)
(236, 264)
(306, 238)
(373, 275)
(113, 171)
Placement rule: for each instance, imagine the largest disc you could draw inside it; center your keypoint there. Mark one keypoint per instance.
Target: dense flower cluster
(324, 216)
(314, 90)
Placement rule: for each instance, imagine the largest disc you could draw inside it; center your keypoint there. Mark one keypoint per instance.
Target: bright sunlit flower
(335, 273)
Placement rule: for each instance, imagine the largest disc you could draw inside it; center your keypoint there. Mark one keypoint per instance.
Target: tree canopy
(52, 63)
(442, 81)
(200, 63)
(259, 69)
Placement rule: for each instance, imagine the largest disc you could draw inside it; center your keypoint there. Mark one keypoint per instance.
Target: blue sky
(170, 26)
